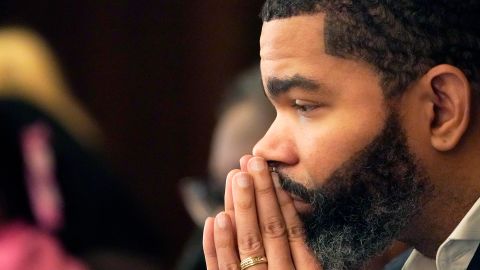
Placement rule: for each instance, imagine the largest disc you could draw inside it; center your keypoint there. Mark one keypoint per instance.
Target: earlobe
(452, 101)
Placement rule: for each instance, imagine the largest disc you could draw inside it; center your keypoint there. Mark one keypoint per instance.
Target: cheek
(326, 146)
(324, 153)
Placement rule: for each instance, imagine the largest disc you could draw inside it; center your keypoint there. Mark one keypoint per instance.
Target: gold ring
(251, 261)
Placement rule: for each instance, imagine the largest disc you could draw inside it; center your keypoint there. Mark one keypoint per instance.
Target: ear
(451, 96)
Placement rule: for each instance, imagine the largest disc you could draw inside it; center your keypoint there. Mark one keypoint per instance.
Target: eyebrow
(277, 86)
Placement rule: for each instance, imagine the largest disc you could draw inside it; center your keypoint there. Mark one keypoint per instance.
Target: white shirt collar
(457, 251)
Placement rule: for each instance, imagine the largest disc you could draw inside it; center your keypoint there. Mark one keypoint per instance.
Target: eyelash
(304, 108)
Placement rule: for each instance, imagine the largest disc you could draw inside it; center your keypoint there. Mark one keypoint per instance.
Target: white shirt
(457, 251)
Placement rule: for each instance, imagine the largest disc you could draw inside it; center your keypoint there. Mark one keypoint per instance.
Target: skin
(319, 128)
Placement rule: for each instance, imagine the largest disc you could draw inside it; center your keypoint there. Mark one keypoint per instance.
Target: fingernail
(221, 220)
(231, 173)
(257, 165)
(206, 220)
(243, 181)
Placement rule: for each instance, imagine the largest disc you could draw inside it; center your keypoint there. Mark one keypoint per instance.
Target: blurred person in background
(58, 201)
(29, 71)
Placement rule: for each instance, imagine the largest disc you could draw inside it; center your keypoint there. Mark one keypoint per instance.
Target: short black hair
(401, 39)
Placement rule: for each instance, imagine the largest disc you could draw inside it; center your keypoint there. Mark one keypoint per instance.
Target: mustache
(291, 186)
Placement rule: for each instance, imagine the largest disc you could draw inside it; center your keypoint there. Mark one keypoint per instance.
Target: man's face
(328, 108)
(339, 149)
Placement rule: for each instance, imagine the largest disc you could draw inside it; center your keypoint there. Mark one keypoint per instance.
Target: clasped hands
(260, 220)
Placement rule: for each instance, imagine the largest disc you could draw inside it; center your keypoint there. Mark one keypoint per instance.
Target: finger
(270, 217)
(225, 247)
(248, 233)
(229, 208)
(209, 245)
(302, 256)
(243, 162)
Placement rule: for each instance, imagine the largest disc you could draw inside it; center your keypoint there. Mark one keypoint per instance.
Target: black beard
(365, 204)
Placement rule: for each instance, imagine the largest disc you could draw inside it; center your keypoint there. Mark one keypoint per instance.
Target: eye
(304, 106)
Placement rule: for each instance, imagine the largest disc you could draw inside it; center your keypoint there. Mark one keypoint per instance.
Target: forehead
(292, 37)
(296, 46)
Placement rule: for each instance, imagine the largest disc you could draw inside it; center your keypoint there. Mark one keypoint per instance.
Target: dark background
(151, 73)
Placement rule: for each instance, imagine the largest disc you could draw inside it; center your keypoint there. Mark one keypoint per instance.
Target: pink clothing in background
(28, 247)
(22, 247)
(39, 160)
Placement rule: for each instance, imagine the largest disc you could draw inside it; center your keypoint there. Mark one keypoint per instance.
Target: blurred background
(151, 73)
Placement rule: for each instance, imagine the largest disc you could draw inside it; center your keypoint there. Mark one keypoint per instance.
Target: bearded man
(376, 138)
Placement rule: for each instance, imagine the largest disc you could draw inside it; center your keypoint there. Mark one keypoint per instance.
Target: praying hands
(260, 228)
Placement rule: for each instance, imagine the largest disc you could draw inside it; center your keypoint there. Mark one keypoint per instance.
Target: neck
(440, 216)
(455, 177)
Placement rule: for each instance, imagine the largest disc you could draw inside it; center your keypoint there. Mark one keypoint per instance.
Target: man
(376, 138)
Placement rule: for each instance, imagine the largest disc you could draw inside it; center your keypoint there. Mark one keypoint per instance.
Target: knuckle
(209, 253)
(224, 243)
(244, 203)
(296, 233)
(250, 243)
(267, 191)
(274, 227)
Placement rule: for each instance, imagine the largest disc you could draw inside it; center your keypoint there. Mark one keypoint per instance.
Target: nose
(277, 145)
